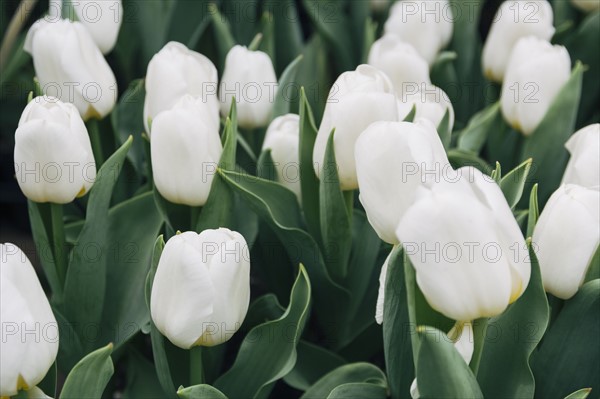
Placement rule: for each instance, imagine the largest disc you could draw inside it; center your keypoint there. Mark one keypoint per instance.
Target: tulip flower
(357, 99)
(283, 139)
(588, 6)
(29, 330)
(249, 76)
(584, 166)
(430, 103)
(102, 19)
(536, 73)
(53, 155)
(201, 289)
(400, 61)
(466, 247)
(174, 72)
(513, 21)
(69, 66)
(185, 149)
(393, 159)
(566, 237)
(425, 24)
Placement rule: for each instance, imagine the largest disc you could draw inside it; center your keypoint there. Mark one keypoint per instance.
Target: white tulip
(283, 139)
(357, 99)
(566, 237)
(185, 149)
(536, 73)
(29, 330)
(174, 72)
(513, 21)
(584, 166)
(430, 103)
(69, 66)
(588, 6)
(249, 76)
(466, 247)
(393, 159)
(201, 289)
(53, 155)
(400, 61)
(426, 24)
(102, 19)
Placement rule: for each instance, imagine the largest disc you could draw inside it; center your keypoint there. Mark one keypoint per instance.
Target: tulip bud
(584, 166)
(467, 249)
(174, 72)
(393, 159)
(566, 237)
(250, 77)
(588, 6)
(201, 289)
(185, 150)
(430, 102)
(102, 19)
(283, 139)
(69, 66)
(357, 99)
(53, 155)
(400, 61)
(29, 330)
(536, 73)
(513, 21)
(426, 24)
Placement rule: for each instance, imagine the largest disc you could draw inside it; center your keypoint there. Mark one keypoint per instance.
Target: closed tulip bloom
(430, 103)
(102, 19)
(514, 20)
(586, 5)
(393, 159)
(357, 99)
(201, 289)
(174, 72)
(566, 237)
(466, 247)
(400, 61)
(425, 24)
(185, 149)
(283, 139)
(69, 65)
(53, 155)
(536, 73)
(584, 166)
(250, 77)
(30, 332)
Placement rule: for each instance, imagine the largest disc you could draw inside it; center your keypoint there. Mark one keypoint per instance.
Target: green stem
(96, 140)
(195, 214)
(59, 248)
(479, 333)
(196, 366)
(411, 297)
(255, 42)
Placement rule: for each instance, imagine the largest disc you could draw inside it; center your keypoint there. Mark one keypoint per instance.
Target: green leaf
(568, 357)
(441, 371)
(202, 391)
(534, 211)
(335, 220)
(580, 394)
(444, 129)
(546, 145)
(90, 376)
(511, 339)
(85, 284)
(397, 328)
(222, 28)
(369, 38)
(350, 373)
(411, 115)
(443, 73)
(358, 390)
(513, 183)
(459, 158)
(308, 179)
(69, 351)
(497, 173)
(288, 32)
(142, 381)
(268, 352)
(593, 269)
(313, 362)
(285, 89)
(473, 137)
(263, 309)
(267, 43)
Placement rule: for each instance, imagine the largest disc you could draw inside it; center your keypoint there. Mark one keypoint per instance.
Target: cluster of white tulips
(467, 251)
